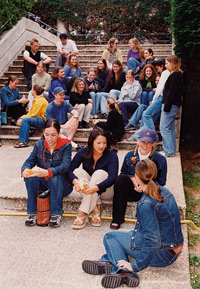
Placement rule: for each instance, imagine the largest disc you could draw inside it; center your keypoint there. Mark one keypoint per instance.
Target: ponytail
(146, 170)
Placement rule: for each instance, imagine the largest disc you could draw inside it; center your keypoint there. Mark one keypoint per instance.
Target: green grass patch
(192, 239)
(191, 179)
(194, 279)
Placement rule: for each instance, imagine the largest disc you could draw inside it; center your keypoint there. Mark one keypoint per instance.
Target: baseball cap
(147, 134)
(58, 90)
(63, 36)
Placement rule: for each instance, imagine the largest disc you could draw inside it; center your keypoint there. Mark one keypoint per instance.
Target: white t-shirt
(69, 46)
(42, 55)
(159, 89)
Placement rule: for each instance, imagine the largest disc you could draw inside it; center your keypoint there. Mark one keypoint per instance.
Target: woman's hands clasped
(41, 173)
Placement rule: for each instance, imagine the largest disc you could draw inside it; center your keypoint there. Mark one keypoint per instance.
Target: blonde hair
(33, 40)
(75, 85)
(131, 72)
(175, 63)
(137, 44)
(112, 103)
(146, 170)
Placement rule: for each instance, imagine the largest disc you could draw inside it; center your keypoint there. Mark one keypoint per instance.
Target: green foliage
(106, 16)
(185, 17)
(194, 260)
(194, 279)
(193, 238)
(191, 179)
(10, 10)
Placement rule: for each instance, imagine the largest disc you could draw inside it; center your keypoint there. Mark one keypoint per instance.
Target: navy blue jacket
(108, 162)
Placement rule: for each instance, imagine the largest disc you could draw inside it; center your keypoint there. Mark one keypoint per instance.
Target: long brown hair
(55, 71)
(105, 67)
(111, 76)
(175, 63)
(68, 62)
(146, 170)
(154, 72)
(111, 41)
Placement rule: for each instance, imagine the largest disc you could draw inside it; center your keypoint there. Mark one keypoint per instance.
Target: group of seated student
(92, 173)
(140, 100)
(157, 239)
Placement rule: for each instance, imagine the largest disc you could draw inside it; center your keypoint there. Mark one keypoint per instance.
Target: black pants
(123, 191)
(15, 111)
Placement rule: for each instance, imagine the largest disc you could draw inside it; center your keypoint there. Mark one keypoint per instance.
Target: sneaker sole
(116, 280)
(93, 268)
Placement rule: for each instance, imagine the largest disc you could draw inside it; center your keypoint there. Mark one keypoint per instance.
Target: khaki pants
(84, 111)
(89, 202)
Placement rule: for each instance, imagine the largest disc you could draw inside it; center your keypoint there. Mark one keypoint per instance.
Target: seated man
(58, 109)
(32, 56)
(64, 48)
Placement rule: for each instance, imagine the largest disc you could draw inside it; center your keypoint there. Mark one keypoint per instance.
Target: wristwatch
(76, 117)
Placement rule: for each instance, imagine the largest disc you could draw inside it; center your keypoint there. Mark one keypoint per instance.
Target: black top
(173, 91)
(115, 85)
(75, 97)
(144, 84)
(114, 125)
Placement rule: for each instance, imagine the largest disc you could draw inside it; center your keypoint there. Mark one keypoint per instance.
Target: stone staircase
(88, 57)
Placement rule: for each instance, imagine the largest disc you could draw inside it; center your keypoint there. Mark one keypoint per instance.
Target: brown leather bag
(43, 207)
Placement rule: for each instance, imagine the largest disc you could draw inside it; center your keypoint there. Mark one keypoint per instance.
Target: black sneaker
(129, 126)
(55, 221)
(116, 280)
(104, 115)
(31, 220)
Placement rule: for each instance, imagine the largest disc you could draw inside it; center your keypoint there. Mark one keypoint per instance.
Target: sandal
(83, 221)
(97, 216)
(21, 145)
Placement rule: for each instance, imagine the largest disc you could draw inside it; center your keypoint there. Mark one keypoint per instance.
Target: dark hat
(147, 134)
(63, 36)
(58, 90)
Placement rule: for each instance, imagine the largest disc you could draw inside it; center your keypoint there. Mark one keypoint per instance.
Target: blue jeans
(167, 130)
(96, 97)
(136, 117)
(104, 95)
(27, 122)
(149, 116)
(146, 97)
(58, 187)
(117, 245)
(133, 64)
(126, 107)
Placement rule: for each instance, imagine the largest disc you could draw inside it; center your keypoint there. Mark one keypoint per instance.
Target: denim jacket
(57, 163)
(9, 97)
(128, 167)
(158, 227)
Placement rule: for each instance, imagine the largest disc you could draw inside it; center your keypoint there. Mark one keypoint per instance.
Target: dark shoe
(104, 115)
(97, 267)
(113, 227)
(79, 147)
(31, 220)
(85, 124)
(80, 125)
(21, 145)
(14, 122)
(116, 280)
(55, 221)
(31, 132)
(129, 126)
